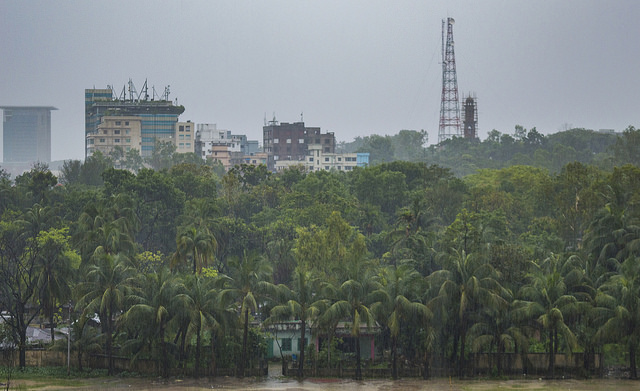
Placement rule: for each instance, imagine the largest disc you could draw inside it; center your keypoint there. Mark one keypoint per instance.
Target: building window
(116, 140)
(128, 140)
(326, 150)
(300, 141)
(127, 131)
(326, 159)
(288, 141)
(188, 137)
(286, 344)
(181, 137)
(188, 145)
(339, 159)
(310, 159)
(188, 128)
(276, 141)
(126, 123)
(118, 123)
(181, 128)
(327, 141)
(182, 146)
(102, 140)
(339, 168)
(117, 131)
(326, 167)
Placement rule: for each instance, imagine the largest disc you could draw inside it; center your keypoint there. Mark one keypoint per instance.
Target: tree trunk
(454, 351)
(461, 360)
(109, 348)
(165, 356)
(425, 372)
(394, 357)
(52, 327)
(245, 335)
(358, 363)
(213, 354)
(552, 356)
(80, 360)
(302, 338)
(633, 373)
(22, 348)
(197, 363)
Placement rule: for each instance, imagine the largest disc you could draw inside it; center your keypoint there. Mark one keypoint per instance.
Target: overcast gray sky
(352, 67)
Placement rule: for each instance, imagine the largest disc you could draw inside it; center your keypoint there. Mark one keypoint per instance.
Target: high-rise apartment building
(290, 142)
(158, 117)
(27, 134)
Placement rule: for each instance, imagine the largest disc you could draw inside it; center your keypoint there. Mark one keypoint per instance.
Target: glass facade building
(158, 118)
(27, 134)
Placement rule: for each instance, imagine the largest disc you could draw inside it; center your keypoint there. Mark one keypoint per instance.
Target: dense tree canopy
(482, 256)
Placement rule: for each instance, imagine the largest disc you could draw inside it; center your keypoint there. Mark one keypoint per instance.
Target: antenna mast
(449, 105)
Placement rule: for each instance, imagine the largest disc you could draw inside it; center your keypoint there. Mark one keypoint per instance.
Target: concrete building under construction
(470, 115)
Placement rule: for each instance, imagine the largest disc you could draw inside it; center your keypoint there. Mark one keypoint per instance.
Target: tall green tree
(468, 284)
(106, 283)
(250, 276)
(198, 245)
(622, 294)
(154, 305)
(398, 304)
(548, 299)
(352, 301)
(301, 302)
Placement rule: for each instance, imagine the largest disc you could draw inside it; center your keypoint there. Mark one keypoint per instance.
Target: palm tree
(301, 303)
(205, 308)
(467, 285)
(622, 293)
(249, 277)
(496, 329)
(353, 299)
(155, 306)
(397, 305)
(547, 299)
(55, 271)
(106, 284)
(198, 244)
(107, 227)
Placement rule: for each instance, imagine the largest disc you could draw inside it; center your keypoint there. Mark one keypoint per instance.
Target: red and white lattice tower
(450, 104)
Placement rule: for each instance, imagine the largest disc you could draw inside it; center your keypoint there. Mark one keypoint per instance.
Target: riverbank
(270, 383)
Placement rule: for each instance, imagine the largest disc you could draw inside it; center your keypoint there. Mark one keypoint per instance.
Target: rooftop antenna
(144, 92)
(301, 117)
(265, 118)
(132, 90)
(165, 95)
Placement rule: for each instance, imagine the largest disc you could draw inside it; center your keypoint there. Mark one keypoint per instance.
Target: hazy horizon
(354, 68)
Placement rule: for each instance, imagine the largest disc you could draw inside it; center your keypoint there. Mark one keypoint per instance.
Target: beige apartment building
(113, 132)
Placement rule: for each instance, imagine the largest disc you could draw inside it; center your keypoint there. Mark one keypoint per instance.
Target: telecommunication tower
(449, 105)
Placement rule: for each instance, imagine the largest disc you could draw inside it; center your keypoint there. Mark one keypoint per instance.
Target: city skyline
(353, 68)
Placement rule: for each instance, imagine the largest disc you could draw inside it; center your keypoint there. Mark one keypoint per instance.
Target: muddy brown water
(275, 382)
(334, 384)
